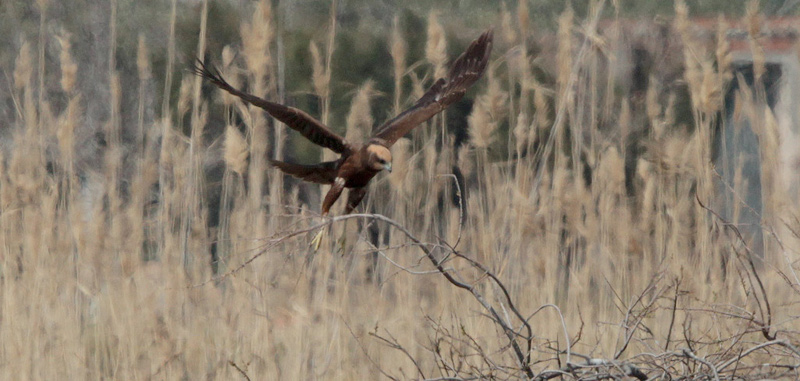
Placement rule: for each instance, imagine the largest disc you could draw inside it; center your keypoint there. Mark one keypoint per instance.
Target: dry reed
(104, 277)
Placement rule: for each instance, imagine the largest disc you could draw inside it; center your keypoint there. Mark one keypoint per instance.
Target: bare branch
(240, 370)
(688, 353)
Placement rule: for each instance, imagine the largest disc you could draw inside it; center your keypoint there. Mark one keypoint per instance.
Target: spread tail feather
(322, 173)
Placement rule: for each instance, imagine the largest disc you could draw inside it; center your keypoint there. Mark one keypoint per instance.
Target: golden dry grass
(98, 283)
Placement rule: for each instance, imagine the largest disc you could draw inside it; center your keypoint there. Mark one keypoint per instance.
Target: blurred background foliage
(361, 47)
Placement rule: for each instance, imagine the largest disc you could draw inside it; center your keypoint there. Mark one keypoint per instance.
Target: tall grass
(106, 271)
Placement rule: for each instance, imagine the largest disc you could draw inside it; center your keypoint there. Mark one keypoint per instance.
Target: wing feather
(296, 119)
(466, 69)
(322, 173)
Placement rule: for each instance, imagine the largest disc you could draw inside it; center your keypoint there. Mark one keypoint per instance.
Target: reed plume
(398, 50)
(359, 120)
(436, 46)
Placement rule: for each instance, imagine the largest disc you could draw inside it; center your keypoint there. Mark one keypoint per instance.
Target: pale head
(379, 157)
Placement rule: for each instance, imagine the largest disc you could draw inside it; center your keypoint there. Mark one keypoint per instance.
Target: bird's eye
(381, 161)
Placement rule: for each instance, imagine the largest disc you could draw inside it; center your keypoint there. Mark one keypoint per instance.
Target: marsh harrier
(360, 162)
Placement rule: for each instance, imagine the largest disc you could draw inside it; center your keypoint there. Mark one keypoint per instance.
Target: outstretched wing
(466, 69)
(296, 119)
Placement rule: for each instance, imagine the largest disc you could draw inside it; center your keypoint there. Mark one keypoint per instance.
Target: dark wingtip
(212, 74)
(488, 34)
(474, 59)
(481, 47)
(199, 68)
(487, 39)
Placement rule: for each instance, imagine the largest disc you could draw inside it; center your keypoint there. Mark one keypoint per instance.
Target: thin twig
(674, 312)
(529, 337)
(393, 343)
(241, 371)
(563, 325)
(768, 318)
(688, 353)
(747, 352)
(377, 366)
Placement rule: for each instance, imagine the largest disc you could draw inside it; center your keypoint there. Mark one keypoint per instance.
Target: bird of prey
(360, 162)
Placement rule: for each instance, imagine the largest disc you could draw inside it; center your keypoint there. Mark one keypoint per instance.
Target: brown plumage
(359, 163)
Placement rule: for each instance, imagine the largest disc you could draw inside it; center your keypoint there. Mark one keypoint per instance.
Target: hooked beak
(388, 167)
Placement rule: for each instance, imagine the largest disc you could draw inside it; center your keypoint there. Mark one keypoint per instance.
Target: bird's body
(359, 163)
(359, 168)
(355, 167)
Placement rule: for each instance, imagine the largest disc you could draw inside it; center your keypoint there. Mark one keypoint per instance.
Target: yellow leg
(317, 239)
